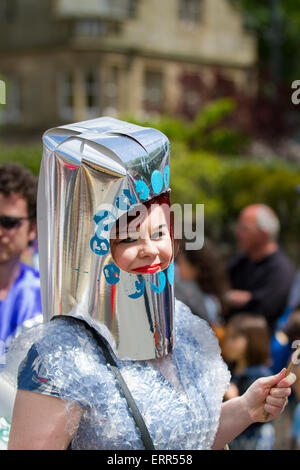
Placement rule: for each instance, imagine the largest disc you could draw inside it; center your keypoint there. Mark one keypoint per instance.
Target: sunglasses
(9, 223)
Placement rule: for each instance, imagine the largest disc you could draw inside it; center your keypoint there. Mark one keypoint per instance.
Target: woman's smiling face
(145, 247)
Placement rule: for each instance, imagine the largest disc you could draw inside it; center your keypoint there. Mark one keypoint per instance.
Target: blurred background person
(261, 275)
(20, 301)
(246, 348)
(201, 283)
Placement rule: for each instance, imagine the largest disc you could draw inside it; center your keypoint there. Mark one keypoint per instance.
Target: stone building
(69, 60)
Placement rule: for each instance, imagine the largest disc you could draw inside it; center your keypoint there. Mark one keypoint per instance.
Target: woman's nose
(148, 248)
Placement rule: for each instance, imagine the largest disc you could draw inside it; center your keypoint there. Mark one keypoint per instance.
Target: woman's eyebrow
(128, 232)
(160, 226)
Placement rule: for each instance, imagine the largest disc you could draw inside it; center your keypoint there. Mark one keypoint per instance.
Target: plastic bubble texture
(180, 400)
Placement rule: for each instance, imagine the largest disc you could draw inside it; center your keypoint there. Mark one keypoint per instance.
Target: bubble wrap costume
(66, 362)
(169, 359)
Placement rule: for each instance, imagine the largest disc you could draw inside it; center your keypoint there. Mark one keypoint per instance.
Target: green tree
(277, 25)
(211, 130)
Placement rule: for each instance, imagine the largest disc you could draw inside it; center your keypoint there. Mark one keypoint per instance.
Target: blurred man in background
(261, 275)
(20, 302)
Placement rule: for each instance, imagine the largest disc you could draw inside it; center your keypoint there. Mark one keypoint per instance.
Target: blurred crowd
(251, 301)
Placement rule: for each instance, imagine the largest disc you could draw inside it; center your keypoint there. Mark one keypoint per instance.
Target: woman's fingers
(272, 380)
(287, 381)
(280, 392)
(277, 397)
(272, 410)
(278, 380)
(279, 402)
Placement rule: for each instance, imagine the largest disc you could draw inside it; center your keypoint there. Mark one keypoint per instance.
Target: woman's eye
(129, 240)
(157, 235)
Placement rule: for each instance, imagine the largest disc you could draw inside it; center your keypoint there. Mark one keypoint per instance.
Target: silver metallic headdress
(93, 172)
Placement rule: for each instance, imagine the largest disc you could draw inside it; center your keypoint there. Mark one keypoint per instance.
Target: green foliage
(225, 186)
(213, 113)
(175, 129)
(209, 131)
(29, 156)
(258, 17)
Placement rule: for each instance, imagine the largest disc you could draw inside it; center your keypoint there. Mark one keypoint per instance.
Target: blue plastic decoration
(142, 189)
(162, 283)
(99, 219)
(126, 200)
(167, 176)
(111, 273)
(157, 181)
(140, 287)
(100, 246)
(171, 273)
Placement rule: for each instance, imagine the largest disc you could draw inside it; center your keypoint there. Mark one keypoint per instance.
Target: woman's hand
(268, 394)
(232, 392)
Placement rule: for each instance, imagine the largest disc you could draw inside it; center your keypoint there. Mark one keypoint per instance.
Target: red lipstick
(153, 268)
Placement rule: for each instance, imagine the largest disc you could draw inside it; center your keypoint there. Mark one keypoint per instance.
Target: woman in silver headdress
(121, 365)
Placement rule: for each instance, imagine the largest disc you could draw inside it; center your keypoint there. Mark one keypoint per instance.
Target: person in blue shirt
(20, 301)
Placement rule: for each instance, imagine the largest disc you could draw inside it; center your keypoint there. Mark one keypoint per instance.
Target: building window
(190, 11)
(66, 95)
(11, 111)
(110, 10)
(8, 10)
(153, 92)
(132, 6)
(91, 85)
(90, 28)
(192, 92)
(78, 93)
(111, 92)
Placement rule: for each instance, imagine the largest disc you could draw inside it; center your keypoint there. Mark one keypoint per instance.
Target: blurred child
(293, 333)
(246, 347)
